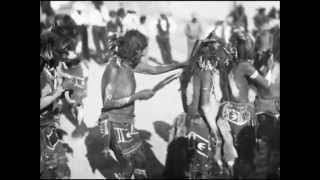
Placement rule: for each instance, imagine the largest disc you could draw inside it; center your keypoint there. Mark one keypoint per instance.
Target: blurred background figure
(274, 23)
(264, 37)
(48, 14)
(259, 20)
(120, 16)
(274, 20)
(79, 17)
(99, 21)
(143, 28)
(239, 18)
(163, 38)
(193, 31)
(130, 21)
(112, 26)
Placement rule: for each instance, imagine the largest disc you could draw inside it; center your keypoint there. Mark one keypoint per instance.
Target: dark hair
(112, 13)
(121, 12)
(143, 19)
(131, 46)
(64, 25)
(209, 54)
(48, 49)
(46, 8)
(241, 10)
(97, 4)
(245, 47)
(272, 13)
(66, 28)
(54, 45)
(262, 10)
(73, 62)
(261, 59)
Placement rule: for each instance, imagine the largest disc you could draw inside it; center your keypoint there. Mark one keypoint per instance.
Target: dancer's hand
(144, 94)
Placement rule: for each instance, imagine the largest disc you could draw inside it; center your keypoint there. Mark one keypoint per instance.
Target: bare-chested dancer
(267, 106)
(118, 95)
(237, 113)
(199, 83)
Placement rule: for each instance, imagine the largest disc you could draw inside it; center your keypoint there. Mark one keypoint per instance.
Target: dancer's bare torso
(210, 82)
(121, 79)
(239, 82)
(198, 90)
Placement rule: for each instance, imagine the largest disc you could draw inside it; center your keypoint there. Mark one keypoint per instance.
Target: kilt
(120, 134)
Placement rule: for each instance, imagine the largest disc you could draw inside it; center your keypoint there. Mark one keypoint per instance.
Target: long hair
(244, 47)
(130, 47)
(204, 53)
(262, 59)
(207, 54)
(56, 43)
(48, 44)
(66, 28)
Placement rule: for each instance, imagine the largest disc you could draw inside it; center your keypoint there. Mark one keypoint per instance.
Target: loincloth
(238, 114)
(119, 133)
(235, 116)
(196, 130)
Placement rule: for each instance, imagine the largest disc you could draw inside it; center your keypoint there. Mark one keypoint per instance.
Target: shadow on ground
(107, 166)
(162, 129)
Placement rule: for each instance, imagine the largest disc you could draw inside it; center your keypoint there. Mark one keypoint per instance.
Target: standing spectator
(143, 26)
(112, 26)
(48, 13)
(193, 31)
(112, 31)
(274, 25)
(163, 39)
(130, 21)
(260, 19)
(79, 16)
(120, 16)
(98, 28)
(239, 18)
(274, 21)
(46, 8)
(264, 37)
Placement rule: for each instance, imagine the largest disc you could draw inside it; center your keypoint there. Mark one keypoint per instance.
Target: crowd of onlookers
(265, 26)
(102, 22)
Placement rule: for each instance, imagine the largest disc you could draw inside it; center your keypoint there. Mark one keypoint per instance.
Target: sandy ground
(164, 106)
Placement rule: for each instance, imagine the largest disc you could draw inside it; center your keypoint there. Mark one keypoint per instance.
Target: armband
(254, 75)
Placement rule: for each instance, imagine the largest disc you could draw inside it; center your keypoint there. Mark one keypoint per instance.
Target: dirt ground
(163, 108)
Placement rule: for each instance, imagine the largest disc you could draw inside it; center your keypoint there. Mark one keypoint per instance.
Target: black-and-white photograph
(159, 89)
